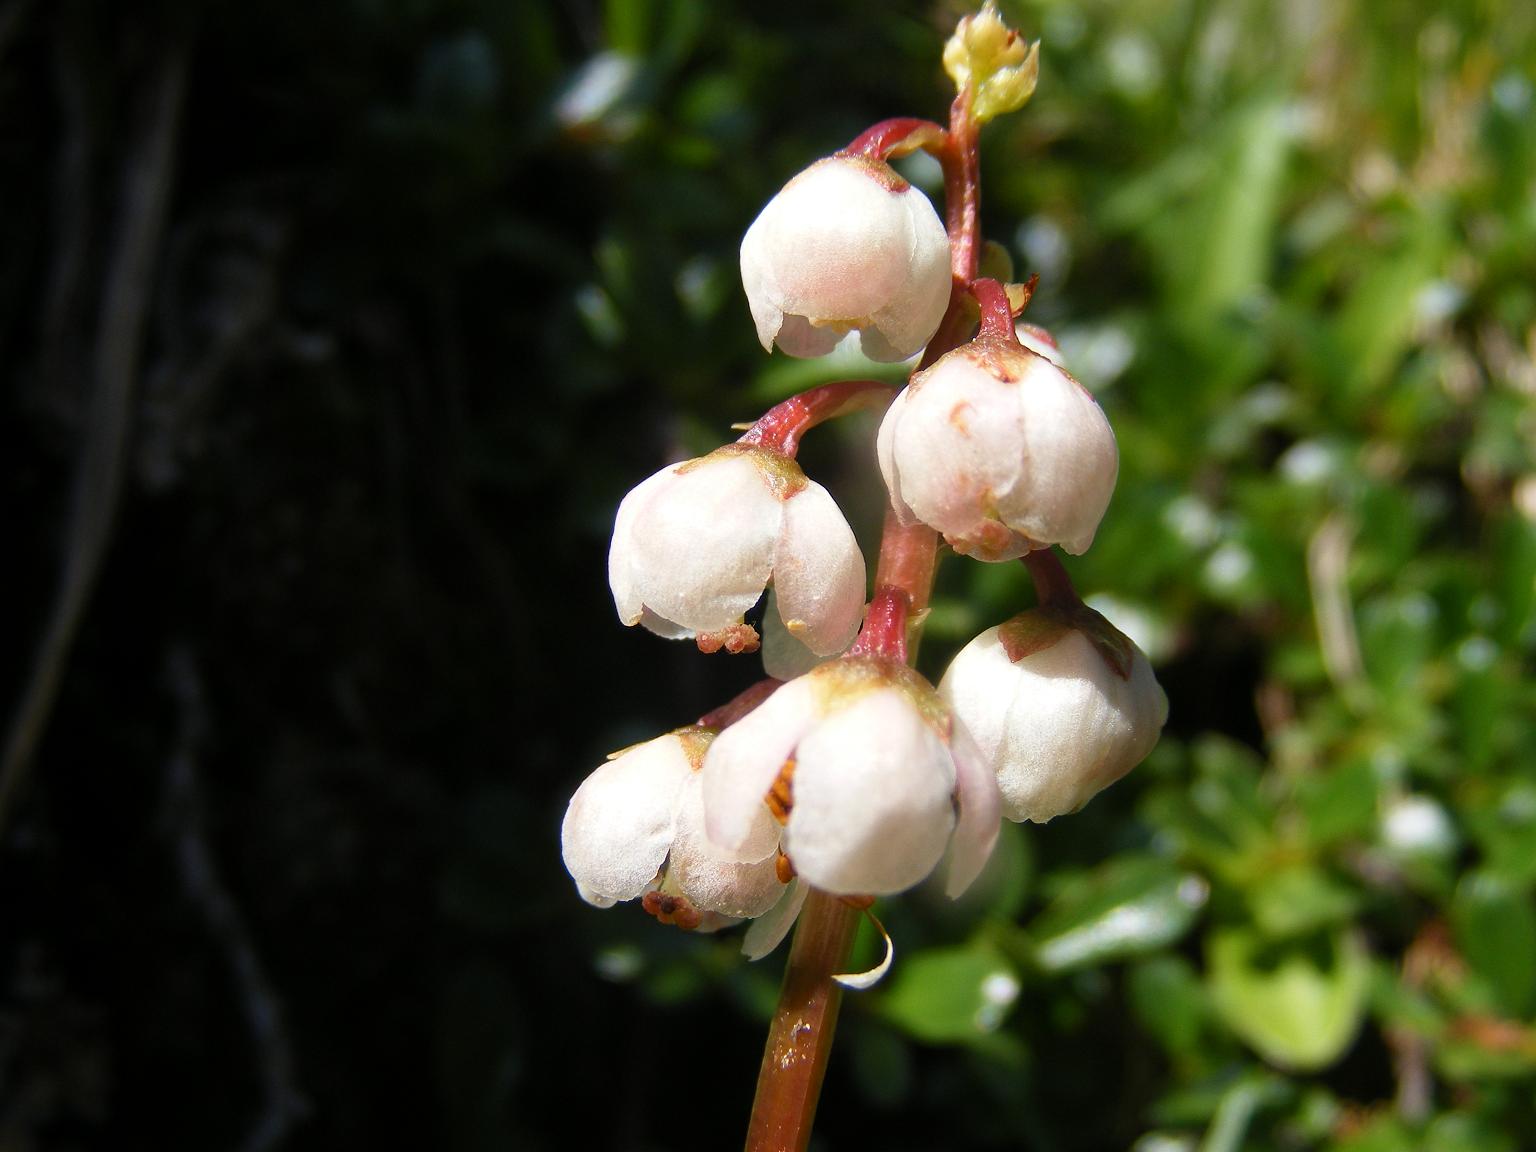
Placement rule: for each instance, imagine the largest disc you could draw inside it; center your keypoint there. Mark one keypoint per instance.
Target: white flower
(1060, 703)
(695, 544)
(1001, 451)
(873, 780)
(635, 827)
(847, 245)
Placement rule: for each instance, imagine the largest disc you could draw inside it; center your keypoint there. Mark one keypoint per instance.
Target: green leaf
(1495, 926)
(1169, 1001)
(950, 995)
(1297, 1005)
(1127, 907)
(1295, 900)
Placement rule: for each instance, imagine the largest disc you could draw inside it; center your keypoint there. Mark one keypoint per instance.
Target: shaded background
(333, 334)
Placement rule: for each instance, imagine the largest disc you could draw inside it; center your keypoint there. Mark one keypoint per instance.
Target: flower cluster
(847, 772)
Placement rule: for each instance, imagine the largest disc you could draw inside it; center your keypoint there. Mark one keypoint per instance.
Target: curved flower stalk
(847, 246)
(1060, 702)
(635, 828)
(1000, 450)
(869, 775)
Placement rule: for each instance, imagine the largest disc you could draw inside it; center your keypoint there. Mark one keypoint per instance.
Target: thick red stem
(1053, 587)
(781, 427)
(896, 137)
(800, 1037)
(996, 311)
(885, 625)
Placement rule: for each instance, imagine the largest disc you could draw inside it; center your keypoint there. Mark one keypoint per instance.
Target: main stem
(800, 1037)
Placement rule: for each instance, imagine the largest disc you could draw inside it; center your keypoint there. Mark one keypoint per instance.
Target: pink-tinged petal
(980, 815)
(818, 572)
(847, 245)
(767, 930)
(859, 981)
(704, 548)
(627, 593)
(713, 882)
(619, 824)
(745, 760)
(764, 296)
(1070, 460)
(872, 811)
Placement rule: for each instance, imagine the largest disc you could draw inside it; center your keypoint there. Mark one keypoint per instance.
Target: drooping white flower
(873, 780)
(1001, 451)
(1061, 705)
(635, 827)
(695, 544)
(847, 245)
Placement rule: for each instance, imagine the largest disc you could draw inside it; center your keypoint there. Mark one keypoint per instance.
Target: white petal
(953, 451)
(980, 812)
(1059, 726)
(621, 550)
(703, 548)
(745, 760)
(872, 794)
(762, 288)
(910, 318)
(767, 930)
(845, 246)
(1070, 461)
(784, 656)
(799, 337)
(715, 883)
(619, 825)
(818, 572)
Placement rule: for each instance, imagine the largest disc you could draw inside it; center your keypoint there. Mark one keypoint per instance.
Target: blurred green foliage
(484, 256)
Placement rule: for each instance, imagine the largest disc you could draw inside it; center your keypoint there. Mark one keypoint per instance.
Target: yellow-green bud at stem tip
(991, 59)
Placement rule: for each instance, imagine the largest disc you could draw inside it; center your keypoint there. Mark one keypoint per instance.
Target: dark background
(331, 336)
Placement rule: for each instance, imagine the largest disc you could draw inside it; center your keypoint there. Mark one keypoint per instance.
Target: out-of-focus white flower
(635, 828)
(1060, 703)
(847, 245)
(695, 544)
(1001, 451)
(872, 779)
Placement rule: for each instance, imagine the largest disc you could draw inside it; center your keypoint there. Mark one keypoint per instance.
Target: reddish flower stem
(1053, 587)
(800, 1037)
(896, 137)
(996, 311)
(781, 427)
(885, 625)
(961, 160)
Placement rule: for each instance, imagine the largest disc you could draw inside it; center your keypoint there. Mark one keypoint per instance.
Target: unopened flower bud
(695, 544)
(865, 768)
(1001, 451)
(1060, 702)
(635, 827)
(847, 245)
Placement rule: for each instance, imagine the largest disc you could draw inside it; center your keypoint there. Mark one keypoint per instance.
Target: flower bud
(636, 827)
(1001, 451)
(869, 775)
(695, 544)
(847, 245)
(1060, 703)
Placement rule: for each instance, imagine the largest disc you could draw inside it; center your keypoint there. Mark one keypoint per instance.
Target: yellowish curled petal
(991, 59)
